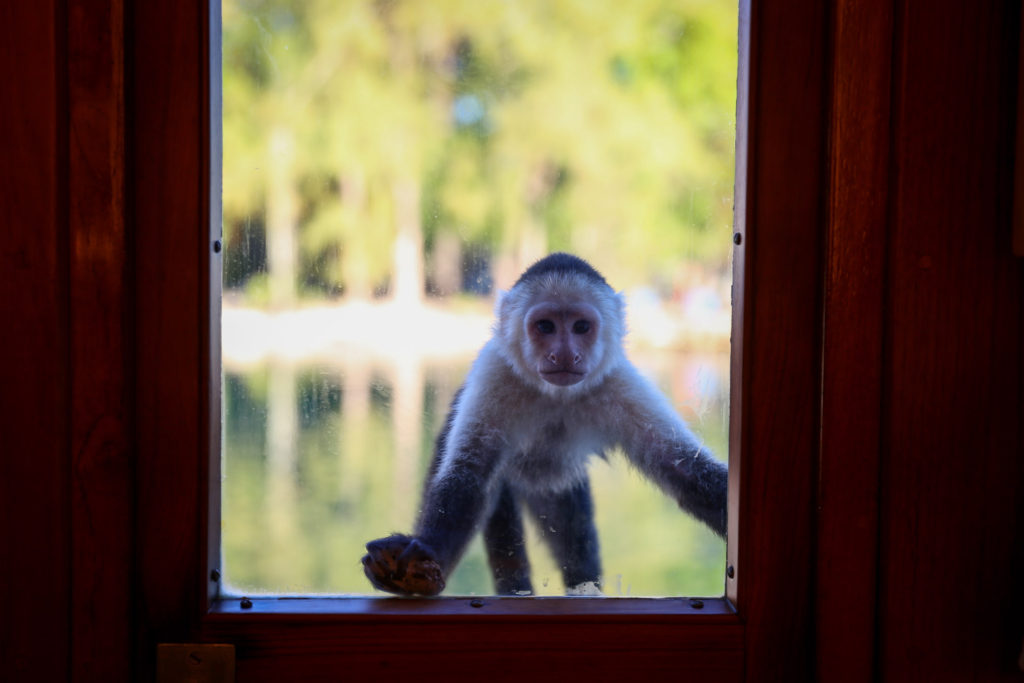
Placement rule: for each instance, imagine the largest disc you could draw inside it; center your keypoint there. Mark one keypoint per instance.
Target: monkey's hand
(402, 565)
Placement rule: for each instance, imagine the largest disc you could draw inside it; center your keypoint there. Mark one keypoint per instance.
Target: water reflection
(322, 455)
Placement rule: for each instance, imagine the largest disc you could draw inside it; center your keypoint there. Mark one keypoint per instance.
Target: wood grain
(102, 473)
(483, 647)
(34, 477)
(782, 213)
(168, 169)
(852, 339)
(954, 350)
(1017, 238)
(879, 300)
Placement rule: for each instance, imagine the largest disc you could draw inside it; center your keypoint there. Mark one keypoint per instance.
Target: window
(388, 167)
(774, 377)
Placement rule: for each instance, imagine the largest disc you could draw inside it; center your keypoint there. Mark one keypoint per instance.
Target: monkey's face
(563, 341)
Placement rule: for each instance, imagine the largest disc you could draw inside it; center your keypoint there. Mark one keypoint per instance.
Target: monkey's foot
(402, 565)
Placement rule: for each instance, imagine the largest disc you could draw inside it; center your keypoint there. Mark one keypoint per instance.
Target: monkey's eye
(545, 326)
(581, 327)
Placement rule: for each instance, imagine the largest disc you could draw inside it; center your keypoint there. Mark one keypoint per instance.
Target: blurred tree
(511, 128)
(265, 134)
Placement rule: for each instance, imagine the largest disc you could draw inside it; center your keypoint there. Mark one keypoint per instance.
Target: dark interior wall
(66, 483)
(918, 514)
(34, 374)
(951, 409)
(920, 464)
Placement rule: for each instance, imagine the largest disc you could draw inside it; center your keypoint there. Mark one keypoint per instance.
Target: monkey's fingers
(399, 564)
(380, 575)
(380, 564)
(418, 570)
(420, 577)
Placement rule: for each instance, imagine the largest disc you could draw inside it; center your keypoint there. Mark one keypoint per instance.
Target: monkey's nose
(553, 358)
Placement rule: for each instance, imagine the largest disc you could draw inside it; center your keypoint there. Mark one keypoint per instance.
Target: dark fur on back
(564, 263)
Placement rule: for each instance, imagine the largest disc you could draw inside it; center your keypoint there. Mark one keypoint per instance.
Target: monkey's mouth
(562, 378)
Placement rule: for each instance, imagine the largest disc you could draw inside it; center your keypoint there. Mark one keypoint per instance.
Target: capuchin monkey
(551, 388)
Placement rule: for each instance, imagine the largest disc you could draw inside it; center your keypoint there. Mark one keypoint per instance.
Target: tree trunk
(282, 220)
(407, 270)
(446, 264)
(356, 259)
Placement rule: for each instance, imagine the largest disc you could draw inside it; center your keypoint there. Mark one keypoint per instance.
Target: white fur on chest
(544, 440)
(551, 450)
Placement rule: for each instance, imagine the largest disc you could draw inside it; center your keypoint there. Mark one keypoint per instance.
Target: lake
(325, 448)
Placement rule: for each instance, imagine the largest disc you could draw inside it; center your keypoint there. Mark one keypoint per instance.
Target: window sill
(714, 609)
(546, 638)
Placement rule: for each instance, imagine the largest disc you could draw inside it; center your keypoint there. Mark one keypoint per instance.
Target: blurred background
(389, 167)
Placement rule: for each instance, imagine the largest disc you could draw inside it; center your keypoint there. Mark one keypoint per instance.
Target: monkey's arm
(454, 501)
(660, 444)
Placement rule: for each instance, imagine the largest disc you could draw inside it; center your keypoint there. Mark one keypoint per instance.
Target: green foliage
(607, 127)
(257, 289)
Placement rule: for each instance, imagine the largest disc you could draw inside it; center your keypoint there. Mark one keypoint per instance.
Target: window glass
(389, 167)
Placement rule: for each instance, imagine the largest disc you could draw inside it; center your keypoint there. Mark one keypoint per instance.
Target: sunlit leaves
(607, 127)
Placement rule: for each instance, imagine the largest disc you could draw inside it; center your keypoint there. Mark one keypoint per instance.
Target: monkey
(551, 388)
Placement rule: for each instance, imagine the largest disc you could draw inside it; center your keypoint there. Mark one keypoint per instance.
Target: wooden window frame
(874, 344)
(764, 622)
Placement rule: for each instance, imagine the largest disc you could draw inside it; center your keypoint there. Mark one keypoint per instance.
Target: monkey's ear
(620, 301)
(501, 298)
(618, 326)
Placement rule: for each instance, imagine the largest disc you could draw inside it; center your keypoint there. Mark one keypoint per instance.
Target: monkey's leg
(506, 547)
(566, 522)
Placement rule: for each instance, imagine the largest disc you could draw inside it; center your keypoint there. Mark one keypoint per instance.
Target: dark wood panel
(34, 499)
(488, 638)
(948, 169)
(951, 462)
(780, 224)
(853, 322)
(482, 648)
(950, 374)
(166, 146)
(102, 478)
(1018, 184)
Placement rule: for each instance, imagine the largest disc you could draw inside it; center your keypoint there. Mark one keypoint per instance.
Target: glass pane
(389, 167)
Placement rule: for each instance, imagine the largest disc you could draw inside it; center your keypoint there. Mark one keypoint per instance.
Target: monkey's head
(561, 325)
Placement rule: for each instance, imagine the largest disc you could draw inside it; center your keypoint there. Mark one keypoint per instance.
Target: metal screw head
(476, 602)
(246, 603)
(730, 571)
(214, 575)
(696, 603)
(737, 238)
(216, 246)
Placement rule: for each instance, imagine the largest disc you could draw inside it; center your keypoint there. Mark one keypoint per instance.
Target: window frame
(766, 612)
